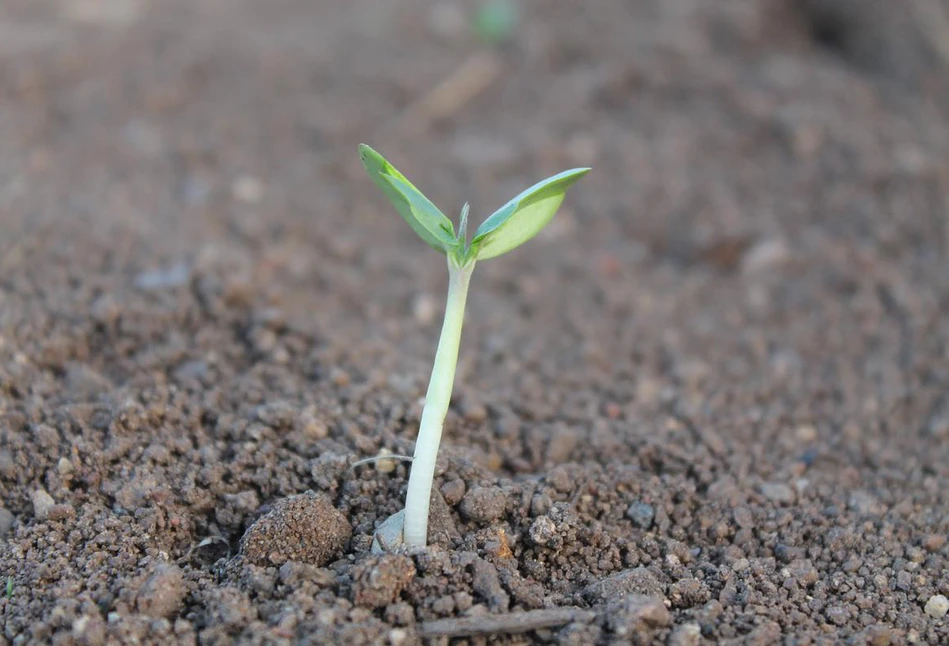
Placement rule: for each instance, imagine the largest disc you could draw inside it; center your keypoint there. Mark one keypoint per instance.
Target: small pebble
(540, 504)
(398, 636)
(743, 517)
(904, 581)
(937, 606)
(475, 412)
(162, 593)
(42, 503)
(803, 571)
(879, 635)
(641, 514)
(934, 542)
(864, 502)
(837, 615)
(778, 492)
(787, 553)
(543, 531)
(453, 491)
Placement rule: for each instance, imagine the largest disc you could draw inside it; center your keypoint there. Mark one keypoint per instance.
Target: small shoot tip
(463, 225)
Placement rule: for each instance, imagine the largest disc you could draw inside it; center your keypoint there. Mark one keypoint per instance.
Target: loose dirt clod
(162, 593)
(486, 581)
(636, 580)
(483, 504)
(378, 581)
(688, 593)
(686, 635)
(636, 617)
(305, 528)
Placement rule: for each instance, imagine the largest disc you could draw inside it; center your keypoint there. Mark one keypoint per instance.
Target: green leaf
(426, 220)
(523, 217)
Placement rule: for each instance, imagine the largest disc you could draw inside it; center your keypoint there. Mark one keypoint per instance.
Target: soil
(709, 404)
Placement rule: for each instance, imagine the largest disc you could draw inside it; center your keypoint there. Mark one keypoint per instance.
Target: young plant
(509, 227)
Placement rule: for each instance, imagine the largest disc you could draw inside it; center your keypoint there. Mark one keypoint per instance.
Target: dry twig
(511, 623)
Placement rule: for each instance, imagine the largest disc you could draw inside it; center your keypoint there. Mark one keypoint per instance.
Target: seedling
(495, 21)
(508, 228)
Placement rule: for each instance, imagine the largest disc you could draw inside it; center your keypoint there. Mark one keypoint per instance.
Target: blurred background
(706, 122)
(158, 140)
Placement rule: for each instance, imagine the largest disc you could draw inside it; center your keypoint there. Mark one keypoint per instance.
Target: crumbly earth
(709, 404)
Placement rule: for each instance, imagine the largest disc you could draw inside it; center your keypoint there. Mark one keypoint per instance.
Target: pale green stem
(415, 530)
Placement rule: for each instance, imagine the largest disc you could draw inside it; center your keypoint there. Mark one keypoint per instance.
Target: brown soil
(710, 404)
